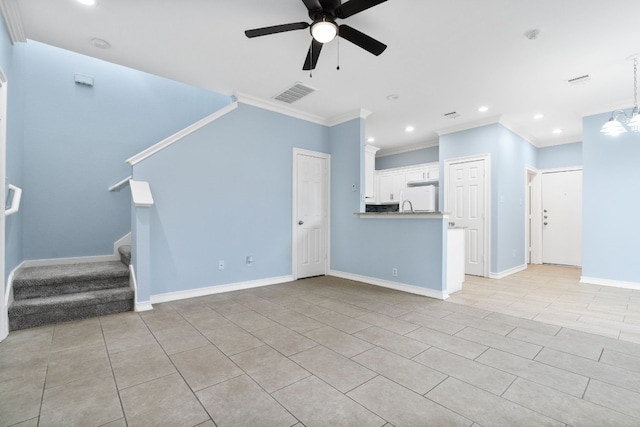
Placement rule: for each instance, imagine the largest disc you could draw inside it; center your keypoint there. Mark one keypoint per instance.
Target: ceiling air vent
(451, 115)
(294, 93)
(579, 80)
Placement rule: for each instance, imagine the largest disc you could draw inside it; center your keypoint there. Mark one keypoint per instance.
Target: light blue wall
(509, 154)
(611, 190)
(223, 193)
(560, 156)
(76, 142)
(12, 61)
(424, 155)
(373, 247)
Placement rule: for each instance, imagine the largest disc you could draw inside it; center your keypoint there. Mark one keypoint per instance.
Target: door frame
(294, 208)
(552, 170)
(487, 200)
(534, 176)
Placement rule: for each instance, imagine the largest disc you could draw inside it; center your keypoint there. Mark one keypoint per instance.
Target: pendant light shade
(614, 126)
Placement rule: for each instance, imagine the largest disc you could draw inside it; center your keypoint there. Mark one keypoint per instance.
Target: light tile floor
(537, 348)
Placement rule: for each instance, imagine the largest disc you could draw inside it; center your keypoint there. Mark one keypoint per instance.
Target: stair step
(37, 282)
(125, 254)
(29, 313)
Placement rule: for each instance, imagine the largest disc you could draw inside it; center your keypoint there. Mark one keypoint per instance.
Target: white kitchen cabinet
(369, 172)
(390, 187)
(433, 173)
(416, 175)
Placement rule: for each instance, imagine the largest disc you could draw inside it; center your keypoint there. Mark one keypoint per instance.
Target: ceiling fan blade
(312, 4)
(276, 29)
(312, 56)
(360, 39)
(355, 6)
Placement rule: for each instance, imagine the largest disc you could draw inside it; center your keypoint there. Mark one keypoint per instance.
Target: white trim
(294, 208)
(407, 148)
(4, 309)
(277, 107)
(15, 201)
(564, 169)
(508, 272)
(123, 241)
(133, 283)
(141, 194)
(347, 117)
(512, 128)
(487, 202)
(13, 20)
(210, 290)
(118, 185)
(609, 282)
(181, 134)
(536, 216)
(417, 290)
(492, 120)
(281, 108)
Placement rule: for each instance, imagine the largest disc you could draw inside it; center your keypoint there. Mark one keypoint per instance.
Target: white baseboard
(508, 272)
(8, 296)
(210, 290)
(431, 293)
(142, 306)
(125, 240)
(609, 282)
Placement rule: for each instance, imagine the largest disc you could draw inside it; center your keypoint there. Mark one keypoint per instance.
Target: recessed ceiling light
(393, 97)
(409, 129)
(557, 131)
(101, 44)
(538, 116)
(371, 140)
(87, 2)
(483, 109)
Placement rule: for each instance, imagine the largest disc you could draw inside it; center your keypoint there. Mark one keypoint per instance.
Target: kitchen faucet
(410, 205)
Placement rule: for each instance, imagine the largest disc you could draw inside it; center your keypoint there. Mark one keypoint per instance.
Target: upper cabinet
(369, 171)
(391, 183)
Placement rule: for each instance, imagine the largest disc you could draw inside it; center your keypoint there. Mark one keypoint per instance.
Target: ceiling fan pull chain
(338, 67)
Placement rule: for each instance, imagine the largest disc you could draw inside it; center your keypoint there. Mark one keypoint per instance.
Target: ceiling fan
(324, 28)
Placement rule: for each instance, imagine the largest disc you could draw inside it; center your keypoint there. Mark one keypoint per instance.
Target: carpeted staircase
(53, 294)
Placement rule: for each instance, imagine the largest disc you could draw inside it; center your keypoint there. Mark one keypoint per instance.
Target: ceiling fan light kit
(615, 125)
(324, 29)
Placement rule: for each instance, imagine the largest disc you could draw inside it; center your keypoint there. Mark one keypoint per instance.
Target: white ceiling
(443, 55)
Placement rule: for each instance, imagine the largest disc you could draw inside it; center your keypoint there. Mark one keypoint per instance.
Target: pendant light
(615, 125)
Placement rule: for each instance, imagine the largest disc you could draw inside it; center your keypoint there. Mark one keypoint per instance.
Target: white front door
(562, 218)
(311, 213)
(466, 204)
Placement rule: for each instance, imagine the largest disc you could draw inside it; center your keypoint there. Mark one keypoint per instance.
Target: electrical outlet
(394, 272)
(249, 260)
(220, 265)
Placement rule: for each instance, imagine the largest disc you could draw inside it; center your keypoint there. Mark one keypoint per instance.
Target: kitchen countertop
(402, 215)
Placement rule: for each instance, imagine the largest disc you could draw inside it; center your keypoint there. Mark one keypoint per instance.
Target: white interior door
(311, 214)
(466, 203)
(562, 218)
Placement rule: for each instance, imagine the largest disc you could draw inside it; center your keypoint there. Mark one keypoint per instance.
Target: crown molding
(407, 148)
(469, 125)
(512, 128)
(11, 15)
(278, 107)
(347, 117)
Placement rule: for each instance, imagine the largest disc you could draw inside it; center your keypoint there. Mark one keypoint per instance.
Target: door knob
(300, 222)
(545, 217)
(545, 223)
